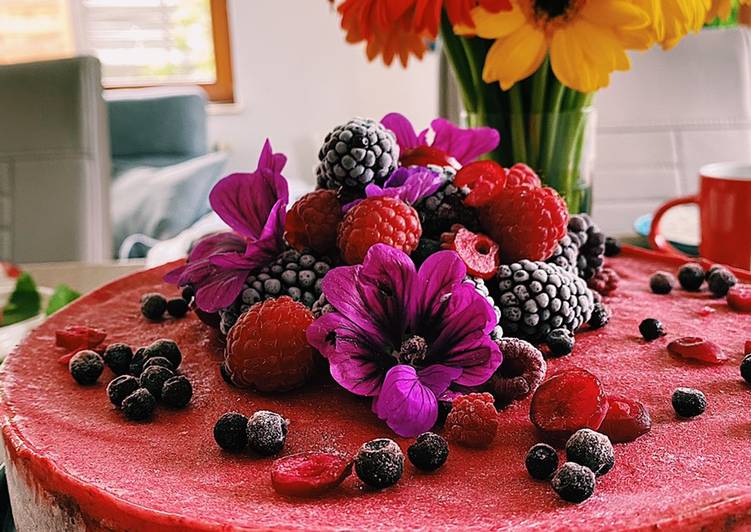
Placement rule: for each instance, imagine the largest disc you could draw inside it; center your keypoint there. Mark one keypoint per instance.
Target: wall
(296, 78)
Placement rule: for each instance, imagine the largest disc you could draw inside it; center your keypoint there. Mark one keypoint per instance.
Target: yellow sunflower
(586, 39)
(722, 8)
(673, 19)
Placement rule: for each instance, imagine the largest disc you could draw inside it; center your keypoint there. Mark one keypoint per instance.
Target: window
(139, 42)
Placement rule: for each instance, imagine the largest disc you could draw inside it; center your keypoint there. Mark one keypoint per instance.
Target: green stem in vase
(516, 116)
(537, 106)
(552, 110)
(452, 46)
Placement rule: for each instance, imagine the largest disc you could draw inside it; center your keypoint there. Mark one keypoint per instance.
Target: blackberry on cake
(537, 297)
(267, 432)
(429, 452)
(560, 342)
(379, 463)
(153, 379)
(591, 449)
(600, 316)
(158, 361)
(445, 207)
(591, 241)
(121, 387)
(177, 307)
(541, 461)
(231, 432)
(177, 391)
(566, 254)
(574, 483)
(153, 306)
(118, 358)
(86, 366)
(689, 402)
(139, 359)
(166, 348)
(139, 405)
(357, 153)
(691, 276)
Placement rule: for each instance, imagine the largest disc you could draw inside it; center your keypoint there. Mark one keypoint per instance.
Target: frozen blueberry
(153, 379)
(574, 483)
(136, 365)
(591, 449)
(118, 358)
(379, 463)
(541, 461)
(121, 387)
(231, 432)
(153, 306)
(165, 348)
(177, 391)
(158, 361)
(600, 316)
(177, 307)
(746, 368)
(691, 276)
(651, 329)
(429, 452)
(612, 247)
(720, 281)
(662, 283)
(139, 405)
(267, 432)
(688, 402)
(86, 366)
(560, 342)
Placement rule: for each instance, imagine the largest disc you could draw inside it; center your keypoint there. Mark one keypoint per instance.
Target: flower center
(550, 15)
(412, 351)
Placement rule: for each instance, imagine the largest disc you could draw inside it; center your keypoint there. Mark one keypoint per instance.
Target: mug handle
(656, 240)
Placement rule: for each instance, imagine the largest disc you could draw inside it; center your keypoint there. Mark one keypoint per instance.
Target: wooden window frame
(222, 90)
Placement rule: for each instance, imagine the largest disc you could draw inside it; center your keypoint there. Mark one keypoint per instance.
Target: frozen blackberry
(691, 276)
(153, 378)
(445, 207)
(746, 368)
(357, 153)
(600, 316)
(121, 387)
(86, 366)
(720, 281)
(118, 358)
(153, 306)
(136, 364)
(662, 283)
(139, 405)
(379, 463)
(560, 342)
(688, 402)
(651, 329)
(574, 483)
(158, 361)
(483, 290)
(591, 449)
(425, 248)
(177, 391)
(541, 461)
(321, 307)
(267, 432)
(612, 247)
(522, 370)
(591, 242)
(429, 452)
(166, 348)
(231, 432)
(537, 297)
(566, 254)
(177, 307)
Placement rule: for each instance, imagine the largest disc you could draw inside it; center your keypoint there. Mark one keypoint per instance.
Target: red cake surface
(169, 474)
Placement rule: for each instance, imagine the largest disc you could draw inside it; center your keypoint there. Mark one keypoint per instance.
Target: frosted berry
(568, 401)
(86, 366)
(164, 348)
(739, 298)
(121, 387)
(429, 452)
(153, 379)
(136, 365)
(688, 402)
(720, 281)
(520, 373)
(527, 223)
(379, 463)
(139, 405)
(478, 252)
(696, 348)
(691, 276)
(378, 220)
(309, 474)
(651, 329)
(521, 175)
(574, 483)
(312, 222)
(267, 432)
(560, 342)
(153, 306)
(612, 247)
(662, 283)
(600, 316)
(231, 432)
(626, 420)
(473, 420)
(177, 391)
(158, 361)
(267, 348)
(591, 449)
(604, 282)
(541, 461)
(118, 358)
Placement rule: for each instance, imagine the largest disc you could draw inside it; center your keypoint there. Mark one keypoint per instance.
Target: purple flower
(404, 337)
(407, 184)
(254, 206)
(450, 144)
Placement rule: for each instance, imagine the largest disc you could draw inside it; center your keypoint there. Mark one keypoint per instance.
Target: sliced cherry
(485, 179)
(479, 252)
(568, 401)
(626, 419)
(739, 298)
(695, 348)
(425, 155)
(79, 337)
(309, 474)
(521, 175)
(747, 347)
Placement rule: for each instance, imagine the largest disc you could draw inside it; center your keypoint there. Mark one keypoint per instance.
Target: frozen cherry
(626, 419)
(739, 298)
(568, 401)
(696, 348)
(309, 474)
(485, 179)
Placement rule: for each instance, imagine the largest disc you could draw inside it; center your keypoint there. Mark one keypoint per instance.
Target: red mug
(724, 202)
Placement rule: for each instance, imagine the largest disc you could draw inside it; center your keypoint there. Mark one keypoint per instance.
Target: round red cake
(75, 463)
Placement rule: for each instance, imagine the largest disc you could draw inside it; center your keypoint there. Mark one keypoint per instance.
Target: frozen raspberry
(626, 420)
(478, 252)
(568, 401)
(485, 179)
(379, 220)
(527, 223)
(473, 420)
(604, 282)
(267, 349)
(696, 348)
(312, 222)
(739, 298)
(521, 175)
(309, 474)
(521, 372)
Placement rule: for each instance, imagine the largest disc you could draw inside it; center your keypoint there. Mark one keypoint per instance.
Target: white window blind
(33, 30)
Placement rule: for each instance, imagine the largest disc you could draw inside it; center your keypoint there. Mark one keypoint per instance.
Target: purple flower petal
(438, 377)
(464, 145)
(407, 184)
(403, 129)
(271, 161)
(438, 276)
(218, 287)
(407, 405)
(227, 242)
(270, 243)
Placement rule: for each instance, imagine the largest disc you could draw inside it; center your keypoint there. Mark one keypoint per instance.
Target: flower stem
(452, 47)
(516, 115)
(539, 86)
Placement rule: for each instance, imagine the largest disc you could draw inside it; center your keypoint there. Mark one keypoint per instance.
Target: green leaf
(62, 295)
(24, 302)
